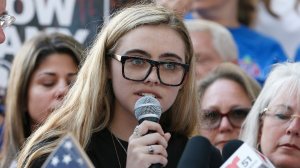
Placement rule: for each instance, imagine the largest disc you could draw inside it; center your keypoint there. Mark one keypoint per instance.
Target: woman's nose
(153, 76)
(225, 125)
(61, 91)
(294, 126)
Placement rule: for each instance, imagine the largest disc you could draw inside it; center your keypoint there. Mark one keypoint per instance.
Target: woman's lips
(148, 93)
(221, 143)
(290, 146)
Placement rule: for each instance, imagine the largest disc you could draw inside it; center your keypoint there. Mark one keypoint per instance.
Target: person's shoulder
(99, 139)
(261, 42)
(246, 31)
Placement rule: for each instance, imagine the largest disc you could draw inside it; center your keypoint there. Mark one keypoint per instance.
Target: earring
(258, 147)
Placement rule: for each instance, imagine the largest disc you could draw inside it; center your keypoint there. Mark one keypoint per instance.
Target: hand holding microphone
(148, 142)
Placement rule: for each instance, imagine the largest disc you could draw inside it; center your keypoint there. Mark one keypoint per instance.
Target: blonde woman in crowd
(273, 124)
(142, 50)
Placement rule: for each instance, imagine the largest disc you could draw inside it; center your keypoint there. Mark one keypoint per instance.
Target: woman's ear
(259, 134)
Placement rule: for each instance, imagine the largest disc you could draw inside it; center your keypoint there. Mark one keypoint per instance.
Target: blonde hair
(87, 107)
(221, 37)
(283, 79)
(29, 57)
(234, 73)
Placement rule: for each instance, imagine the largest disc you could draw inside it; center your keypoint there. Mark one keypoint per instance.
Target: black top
(104, 154)
(102, 151)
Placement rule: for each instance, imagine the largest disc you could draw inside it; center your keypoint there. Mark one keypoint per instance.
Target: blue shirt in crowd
(257, 53)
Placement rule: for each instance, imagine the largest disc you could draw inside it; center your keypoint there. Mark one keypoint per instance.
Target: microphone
(216, 158)
(199, 152)
(239, 154)
(148, 108)
(230, 147)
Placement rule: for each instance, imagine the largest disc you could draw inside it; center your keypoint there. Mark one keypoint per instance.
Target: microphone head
(147, 107)
(230, 147)
(197, 153)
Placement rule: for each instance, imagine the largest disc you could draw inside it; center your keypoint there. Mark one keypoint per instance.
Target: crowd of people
(211, 72)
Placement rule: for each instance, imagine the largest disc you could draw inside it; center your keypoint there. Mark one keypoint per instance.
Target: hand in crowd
(141, 152)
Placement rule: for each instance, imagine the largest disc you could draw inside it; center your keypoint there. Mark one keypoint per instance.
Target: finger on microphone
(147, 126)
(156, 149)
(167, 136)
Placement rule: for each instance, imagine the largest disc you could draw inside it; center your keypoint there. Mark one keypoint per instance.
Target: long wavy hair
(88, 105)
(29, 57)
(284, 79)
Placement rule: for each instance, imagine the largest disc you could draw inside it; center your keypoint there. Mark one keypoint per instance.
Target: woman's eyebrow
(137, 51)
(173, 55)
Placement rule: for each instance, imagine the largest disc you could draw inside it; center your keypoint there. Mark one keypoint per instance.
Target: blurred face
(48, 85)
(152, 43)
(280, 135)
(207, 57)
(2, 11)
(223, 97)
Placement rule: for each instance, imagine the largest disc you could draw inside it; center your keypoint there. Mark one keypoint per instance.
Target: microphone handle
(153, 119)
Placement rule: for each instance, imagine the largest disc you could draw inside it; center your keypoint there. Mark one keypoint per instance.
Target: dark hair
(246, 11)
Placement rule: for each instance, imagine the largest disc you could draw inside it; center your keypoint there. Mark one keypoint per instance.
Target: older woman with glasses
(5, 20)
(273, 124)
(226, 97)
(144, 50)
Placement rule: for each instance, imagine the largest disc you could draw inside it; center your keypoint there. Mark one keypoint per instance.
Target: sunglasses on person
(211, 118)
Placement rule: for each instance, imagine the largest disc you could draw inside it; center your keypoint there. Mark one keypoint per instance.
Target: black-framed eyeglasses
(211, 118)
(6, 20)
(138, 69)
(280, 114)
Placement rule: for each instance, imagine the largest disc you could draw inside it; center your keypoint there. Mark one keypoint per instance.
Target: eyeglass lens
(138, 69)
(282, 114)
(212, 118)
